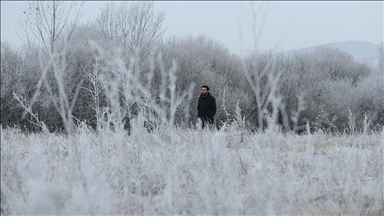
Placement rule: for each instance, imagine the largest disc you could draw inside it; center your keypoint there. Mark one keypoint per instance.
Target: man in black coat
(206, 107)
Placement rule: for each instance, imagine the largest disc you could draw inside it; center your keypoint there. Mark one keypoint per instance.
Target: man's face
(204, 91)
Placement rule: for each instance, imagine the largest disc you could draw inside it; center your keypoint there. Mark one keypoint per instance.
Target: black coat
(206, 107)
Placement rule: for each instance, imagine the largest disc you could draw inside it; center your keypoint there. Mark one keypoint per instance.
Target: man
(206, 107)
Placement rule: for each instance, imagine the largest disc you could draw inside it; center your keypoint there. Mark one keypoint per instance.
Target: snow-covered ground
(187, 171)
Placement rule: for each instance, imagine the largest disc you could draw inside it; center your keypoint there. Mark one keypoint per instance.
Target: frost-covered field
(120, 71)
(183, 171)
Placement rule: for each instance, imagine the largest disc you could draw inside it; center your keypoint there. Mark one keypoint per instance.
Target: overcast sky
(288, 25)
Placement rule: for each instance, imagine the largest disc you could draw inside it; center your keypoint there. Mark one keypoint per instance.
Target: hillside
(359, 49)
(364, 52)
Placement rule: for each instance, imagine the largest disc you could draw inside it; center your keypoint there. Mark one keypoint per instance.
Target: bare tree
(380, 50)
(49, 22)
(106, 22)
(52, 25)
(263, 75)
(134, 24)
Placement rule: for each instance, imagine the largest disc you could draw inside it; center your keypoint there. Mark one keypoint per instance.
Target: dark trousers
(206, 121)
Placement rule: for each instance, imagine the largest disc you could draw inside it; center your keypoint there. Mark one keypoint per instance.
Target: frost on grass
(186, 171)
(158, 167)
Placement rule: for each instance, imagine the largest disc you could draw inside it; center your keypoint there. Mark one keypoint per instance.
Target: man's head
(204, 90)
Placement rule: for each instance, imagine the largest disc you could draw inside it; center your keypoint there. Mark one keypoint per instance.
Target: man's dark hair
(205, 86)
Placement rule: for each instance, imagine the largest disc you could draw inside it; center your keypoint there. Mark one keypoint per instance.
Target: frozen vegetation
(97, 119)
(188, 171)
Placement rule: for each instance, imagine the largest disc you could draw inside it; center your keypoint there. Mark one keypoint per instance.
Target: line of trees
(121, 66)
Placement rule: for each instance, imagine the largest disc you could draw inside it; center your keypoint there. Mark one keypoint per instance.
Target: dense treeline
(126, 53)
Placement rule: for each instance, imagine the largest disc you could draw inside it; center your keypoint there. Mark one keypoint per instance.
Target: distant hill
(363, 51)
(359, 49)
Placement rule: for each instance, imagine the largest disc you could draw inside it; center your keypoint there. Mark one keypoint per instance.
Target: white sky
(288, 25)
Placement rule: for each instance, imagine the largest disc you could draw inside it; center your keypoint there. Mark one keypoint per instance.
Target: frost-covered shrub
(325, 79)
(334, 64)
(329, 79)
(323, 123)
(10, 81)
